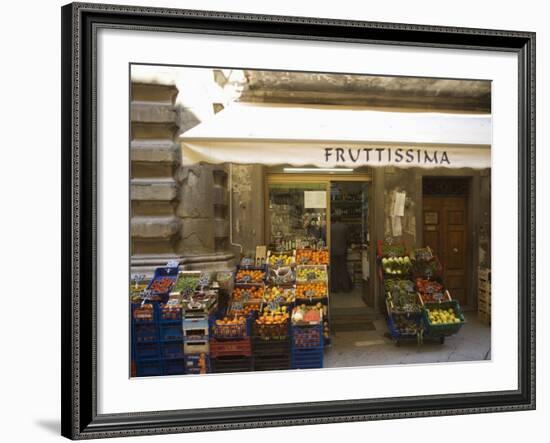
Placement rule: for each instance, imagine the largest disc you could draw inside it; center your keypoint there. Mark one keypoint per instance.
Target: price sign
(246, 279)
(246, 295)
(238, 306)
(273, 306)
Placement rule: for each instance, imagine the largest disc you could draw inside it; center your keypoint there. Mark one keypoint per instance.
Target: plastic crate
(197, 364)
(276, 362)
(307, 336)
(148, 368)
(145, 313)
(169, 313)
(196, 347)
(226, 364)
(246, 279)
(174, 367)
(262, 348)
(399, 335)
(445, 329)
(307, 358)
(311, 273)
(172, 350)
(271, 332)
(230, 348)
(195, 329)
(171, 331)
(167, 274)
(147, 332)
(147, 351)
(230, 332)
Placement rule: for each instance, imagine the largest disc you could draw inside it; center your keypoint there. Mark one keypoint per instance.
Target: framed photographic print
(273, 221)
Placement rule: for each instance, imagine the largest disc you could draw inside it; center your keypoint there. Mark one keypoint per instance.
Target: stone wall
(248, 209)
(177, 213)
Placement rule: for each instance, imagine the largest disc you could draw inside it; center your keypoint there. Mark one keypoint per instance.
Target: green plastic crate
(445, 329)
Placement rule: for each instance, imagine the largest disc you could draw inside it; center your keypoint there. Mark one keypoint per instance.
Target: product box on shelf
(162, 283)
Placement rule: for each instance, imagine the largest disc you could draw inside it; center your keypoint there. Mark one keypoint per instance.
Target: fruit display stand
(442, 319)
(307, 343)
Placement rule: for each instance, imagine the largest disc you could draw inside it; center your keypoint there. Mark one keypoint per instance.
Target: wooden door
(445, 228)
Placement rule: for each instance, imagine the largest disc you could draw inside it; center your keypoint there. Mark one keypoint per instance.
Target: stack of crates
(307, 346)
(146, 348)
(484, 295)
(271, 347)
(171, 339)
(231, 347)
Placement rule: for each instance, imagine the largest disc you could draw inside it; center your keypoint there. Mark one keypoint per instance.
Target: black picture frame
(79, 173)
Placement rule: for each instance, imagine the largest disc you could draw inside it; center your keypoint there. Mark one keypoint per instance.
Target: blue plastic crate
(192, 364)
(172, 350)
(145, 333)
(149, 368)
(171, 331)
(307, 358)
(195, 328)
(174, 367)
(140, 313)
(147, 351)
(307, 336)
(160, 273)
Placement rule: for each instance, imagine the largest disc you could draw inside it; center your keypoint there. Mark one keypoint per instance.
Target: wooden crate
(484, 317)
(484, 274)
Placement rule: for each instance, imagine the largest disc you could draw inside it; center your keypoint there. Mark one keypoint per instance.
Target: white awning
(330, 136)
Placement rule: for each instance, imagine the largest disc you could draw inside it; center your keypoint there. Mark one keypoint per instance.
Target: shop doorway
(446, 230)
(301, 210)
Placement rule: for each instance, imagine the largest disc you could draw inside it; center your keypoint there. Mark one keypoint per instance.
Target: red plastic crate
(230, 348)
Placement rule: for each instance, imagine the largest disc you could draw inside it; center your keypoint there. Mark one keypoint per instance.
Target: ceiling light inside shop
(329, 170)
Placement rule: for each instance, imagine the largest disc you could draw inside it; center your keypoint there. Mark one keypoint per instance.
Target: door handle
(455, 250)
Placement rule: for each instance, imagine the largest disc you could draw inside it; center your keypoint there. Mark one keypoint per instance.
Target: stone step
(149, 169)
(155, 150)
(142, 112)
(154, 227)
(152, 92)
(153, 189)
(149, 131)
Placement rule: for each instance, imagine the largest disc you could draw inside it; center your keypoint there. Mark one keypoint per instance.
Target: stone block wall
(177, 213)
(154, 160)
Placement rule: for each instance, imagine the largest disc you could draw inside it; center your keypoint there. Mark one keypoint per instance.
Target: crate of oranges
(231, 327)
(248, 293)
(272, 324)
(311, 290)
(250, 275)
(312, 257)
